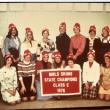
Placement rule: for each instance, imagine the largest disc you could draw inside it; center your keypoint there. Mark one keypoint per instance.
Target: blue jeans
(39, 97)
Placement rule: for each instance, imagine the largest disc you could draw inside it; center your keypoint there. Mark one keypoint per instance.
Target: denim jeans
(39, 97)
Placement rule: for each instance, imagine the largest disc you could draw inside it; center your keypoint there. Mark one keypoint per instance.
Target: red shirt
(78, 42)
(39, 66)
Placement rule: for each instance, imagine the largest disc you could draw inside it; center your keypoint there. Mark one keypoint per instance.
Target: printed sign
(60, 82)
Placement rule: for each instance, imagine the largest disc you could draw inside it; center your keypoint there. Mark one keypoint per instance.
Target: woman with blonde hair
(30, 44)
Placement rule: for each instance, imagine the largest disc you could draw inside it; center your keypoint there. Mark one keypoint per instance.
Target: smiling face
(45, 34)
(27, 58)
(9, 61)
(90, 58)
(62, 29)
(45, 58)
(29, 36)
(107, 61)
(13, 32)
(70, 63)
(104, 33)
(76, 30)
(57, 59)
(92, 34)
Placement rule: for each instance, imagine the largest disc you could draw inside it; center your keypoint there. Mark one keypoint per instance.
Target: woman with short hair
(90, 76)
(26, 74)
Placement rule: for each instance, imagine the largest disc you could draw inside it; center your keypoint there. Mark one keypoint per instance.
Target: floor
(71, 102)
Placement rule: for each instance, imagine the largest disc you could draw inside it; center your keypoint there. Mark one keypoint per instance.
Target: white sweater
(91, 74)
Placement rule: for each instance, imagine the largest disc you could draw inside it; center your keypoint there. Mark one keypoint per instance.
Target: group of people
(20, 63)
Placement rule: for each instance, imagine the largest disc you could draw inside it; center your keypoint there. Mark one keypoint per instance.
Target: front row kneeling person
(8, 80)
(42, 65)
(71, 63)
(91, 75)
(26, 73)
(104, 89)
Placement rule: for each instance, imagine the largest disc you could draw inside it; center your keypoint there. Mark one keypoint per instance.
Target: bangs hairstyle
(71, 60)
(92, 30)
(44, 31)
(5, 60)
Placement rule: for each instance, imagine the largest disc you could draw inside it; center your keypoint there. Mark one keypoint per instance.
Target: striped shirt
(25, 70)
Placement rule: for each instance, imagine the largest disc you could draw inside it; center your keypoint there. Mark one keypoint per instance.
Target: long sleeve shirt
(75, 67)
(26, 69)
(11, 43)
(8, 78)
(26, 45)
(91, 74)
(105, 72)
(77, 42)
(49, 45)
(1, 42)
(63, 44)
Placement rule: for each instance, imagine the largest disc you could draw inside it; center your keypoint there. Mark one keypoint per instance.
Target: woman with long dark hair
(104, 89)
(8, 80)
(12, 43)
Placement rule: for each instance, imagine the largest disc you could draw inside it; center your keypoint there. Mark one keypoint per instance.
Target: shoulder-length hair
(10, 32)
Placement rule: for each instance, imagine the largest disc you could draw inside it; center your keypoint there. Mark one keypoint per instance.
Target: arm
(33, 78)
(15, 83)
(22, 51)
(70, 48)
(20, 75)
(52, 46)
(84, 73)
(6, 45)
(97, 75)
(1, 42)
(81, 47)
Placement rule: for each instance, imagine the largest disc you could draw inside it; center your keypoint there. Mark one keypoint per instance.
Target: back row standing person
(94, 43)
(46, 44)
(63, 42)
(105, 43)
(12, 43)
(30, 44)
(1, 52)
(77, 45)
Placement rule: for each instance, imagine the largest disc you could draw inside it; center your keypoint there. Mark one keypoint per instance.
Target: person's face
(107, 60)
(105, 33)
(9, 61)
(27, 58)
(62, 29)
(45, 58)
(13, 32)
(70, 63)
(90, 58)
(76, 30)
(29, 36)
(45, 34)
(92, 34)
(57, 59)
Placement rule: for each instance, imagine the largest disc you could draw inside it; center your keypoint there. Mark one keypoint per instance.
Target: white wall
(37, 16)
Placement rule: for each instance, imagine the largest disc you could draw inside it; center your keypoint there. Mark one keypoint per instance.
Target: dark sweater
(63, 44)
